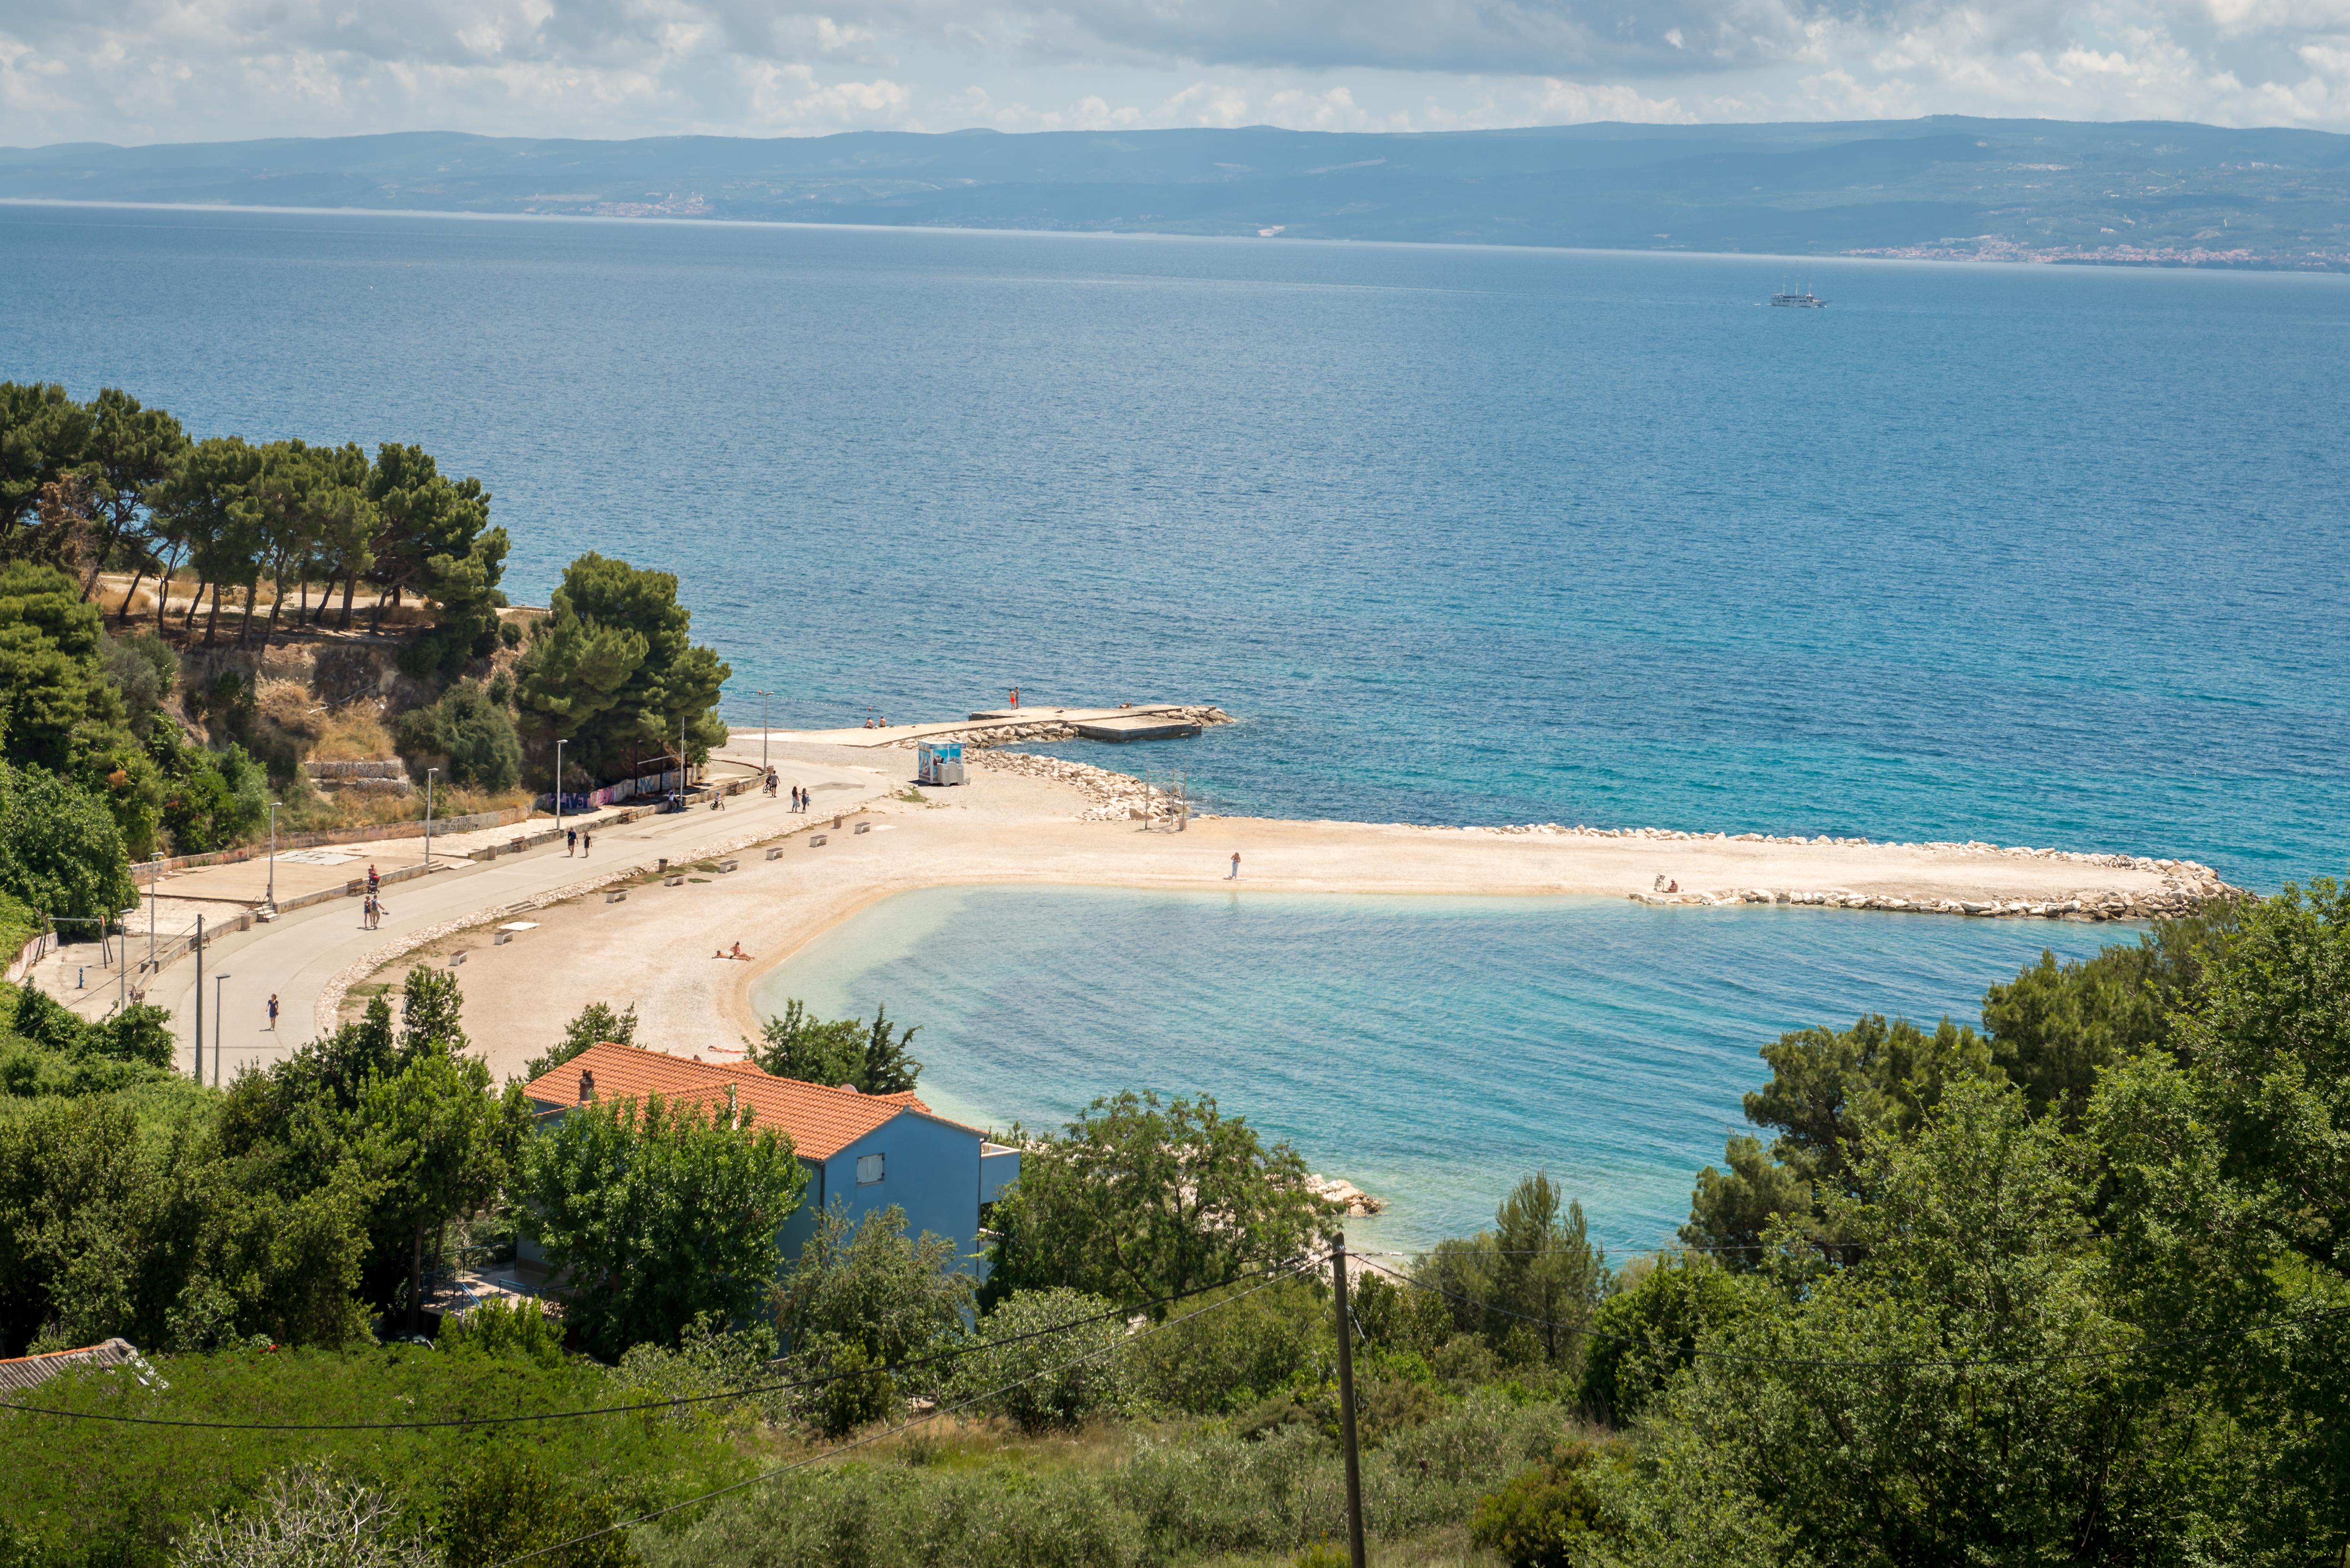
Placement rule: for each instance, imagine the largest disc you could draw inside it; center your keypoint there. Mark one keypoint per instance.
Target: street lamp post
(558, 789)
(219, 1041)
(271, 899)
(153, 877)
(762, 697)
(429, 775)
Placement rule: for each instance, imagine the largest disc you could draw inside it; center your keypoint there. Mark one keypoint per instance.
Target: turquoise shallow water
(1430, 1050)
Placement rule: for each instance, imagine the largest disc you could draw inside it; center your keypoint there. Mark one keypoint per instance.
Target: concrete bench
(617, 896)
(775, 852)
(676, 882)
(726, 865)
(816, 841)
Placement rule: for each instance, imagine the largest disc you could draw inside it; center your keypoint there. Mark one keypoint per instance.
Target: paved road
(299, 956)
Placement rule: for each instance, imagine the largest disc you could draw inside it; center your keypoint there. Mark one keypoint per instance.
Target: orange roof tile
(820, 1121)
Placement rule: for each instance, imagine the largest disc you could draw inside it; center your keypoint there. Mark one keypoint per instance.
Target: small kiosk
(940, 764)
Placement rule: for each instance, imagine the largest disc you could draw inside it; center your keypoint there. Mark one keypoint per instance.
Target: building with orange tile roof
(862, 1152)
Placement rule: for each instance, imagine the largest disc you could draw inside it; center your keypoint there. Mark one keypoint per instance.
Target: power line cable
(927, 1416)
(892, 1368)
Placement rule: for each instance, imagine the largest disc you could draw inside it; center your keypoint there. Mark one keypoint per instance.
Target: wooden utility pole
(1346, 1402)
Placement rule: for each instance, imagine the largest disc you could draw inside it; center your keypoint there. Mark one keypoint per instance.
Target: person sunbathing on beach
(739, 953)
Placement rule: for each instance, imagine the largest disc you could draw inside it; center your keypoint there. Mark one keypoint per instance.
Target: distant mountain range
(2147, 193)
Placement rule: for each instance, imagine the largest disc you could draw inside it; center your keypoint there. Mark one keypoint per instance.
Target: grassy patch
(98, 1491)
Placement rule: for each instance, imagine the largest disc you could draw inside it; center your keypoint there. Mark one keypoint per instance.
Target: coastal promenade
(1023, 819)
(308, 956)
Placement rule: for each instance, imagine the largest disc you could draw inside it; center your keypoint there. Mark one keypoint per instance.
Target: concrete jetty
(1009, 726)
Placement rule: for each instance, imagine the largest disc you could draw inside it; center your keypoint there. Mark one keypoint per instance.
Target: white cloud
(132, 70)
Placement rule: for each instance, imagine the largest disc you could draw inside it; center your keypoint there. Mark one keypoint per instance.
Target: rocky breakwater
(1114, 797)
(998, 733)
(2187, 885)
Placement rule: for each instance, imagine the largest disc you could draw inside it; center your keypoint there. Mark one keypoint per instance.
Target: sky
(134, 72)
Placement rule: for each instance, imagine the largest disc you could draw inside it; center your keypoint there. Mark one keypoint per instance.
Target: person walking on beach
(1235, 874)
(570, 843)
(272, 1012)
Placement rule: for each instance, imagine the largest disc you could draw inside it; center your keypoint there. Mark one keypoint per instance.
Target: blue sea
(2034, 555)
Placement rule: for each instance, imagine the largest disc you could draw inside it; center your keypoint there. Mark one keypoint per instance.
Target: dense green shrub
(1535, 1520)
(474, 734)
(1055, 1378)
(1644, 1333)
(60, 850)
(1140, 1199)
(863, 1296)
(502, 1327)
(1223, 1351)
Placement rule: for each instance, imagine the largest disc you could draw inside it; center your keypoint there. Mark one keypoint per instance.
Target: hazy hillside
(2046, 190)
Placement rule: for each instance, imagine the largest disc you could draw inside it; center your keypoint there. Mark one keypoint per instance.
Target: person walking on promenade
(570, 843)
(272, 1012)
(373, 880)
(1235, 873)
(587, 845)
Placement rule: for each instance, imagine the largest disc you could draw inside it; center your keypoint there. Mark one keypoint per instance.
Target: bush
(61, 848)
(502, 1327)
(1642, 1336)
(1043, 1381)
(862, 1297)
(1222, 1361)
(506, 1503)
(1535, 1520)
(475, 735)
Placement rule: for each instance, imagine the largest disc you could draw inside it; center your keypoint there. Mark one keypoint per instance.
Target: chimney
(587, 1085)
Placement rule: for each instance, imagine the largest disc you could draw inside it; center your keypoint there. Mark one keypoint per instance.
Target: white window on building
(868, 1169)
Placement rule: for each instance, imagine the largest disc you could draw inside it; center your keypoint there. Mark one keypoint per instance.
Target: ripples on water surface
(2047, 555)
(2039, 555)
(1430, 1050)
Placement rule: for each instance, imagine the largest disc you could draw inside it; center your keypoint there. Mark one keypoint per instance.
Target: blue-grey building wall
(930, 1169)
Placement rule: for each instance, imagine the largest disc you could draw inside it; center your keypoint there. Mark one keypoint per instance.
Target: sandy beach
(656, 951)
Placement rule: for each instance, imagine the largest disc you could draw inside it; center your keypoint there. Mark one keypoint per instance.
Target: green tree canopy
(433, 539)
(613, 671)
(873, 1058)
(1138, 1200)
(661, 1213)
(43, 433)
(60, 851)
(132, 453)
(1527, 1286)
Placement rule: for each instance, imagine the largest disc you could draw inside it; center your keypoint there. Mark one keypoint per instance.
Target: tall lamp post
(271, 899)
(219, 1041)
(558, 789)
(762, 697)
(429, 775)
(153, 877)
